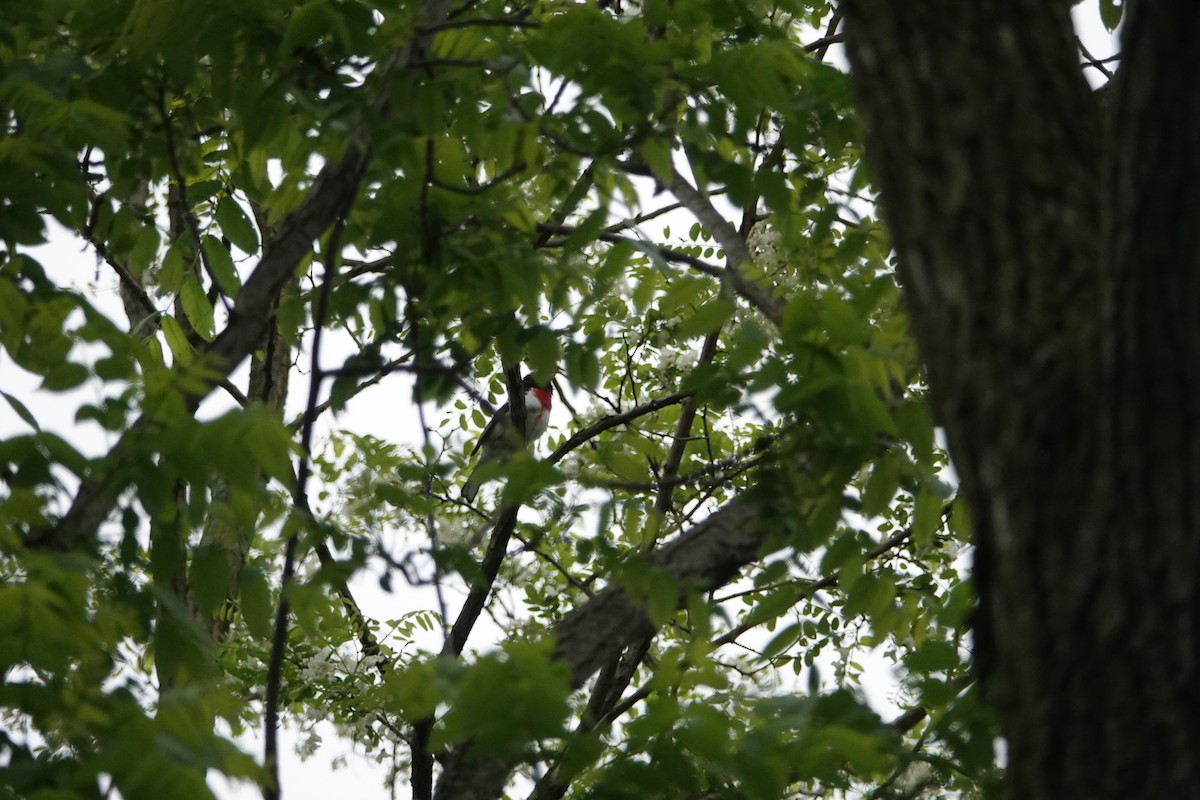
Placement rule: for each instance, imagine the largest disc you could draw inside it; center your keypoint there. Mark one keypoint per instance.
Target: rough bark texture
(707, 556)
(1065, 373)
(1151, 558)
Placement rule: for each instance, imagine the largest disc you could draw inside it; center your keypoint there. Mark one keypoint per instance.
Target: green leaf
(657, 152)
(64, 377)
(209, 578)
(927, 516)
(871, 594)
(773, 604)
(196, 307)
(782, 641)
(64, 453)
(543, 353)
(882, 485)
(236, 225)
(504, 702)
(707, 318)
(254, 601)
(583, 367)
(1111, 12)
(393, 494)
(174, 265)
(267, 442)
(936, 655)
(307, 25)
(144, 250)
(414, 692)
(181, 349)
(871, 414)
(844, 546)
(21, 410)
(221, 263)
(915, 424)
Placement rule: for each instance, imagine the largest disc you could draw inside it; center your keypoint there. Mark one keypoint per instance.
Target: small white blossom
(596, 409)
(570, 467)
(675, 360)
(916, 776)
(766, 246)
(319, 666)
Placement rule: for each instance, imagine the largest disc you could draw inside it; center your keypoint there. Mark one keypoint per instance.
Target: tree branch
(612, 421)
(748, 291)
(272, 789)
(335, 185)
(736, 252)
(704, 558)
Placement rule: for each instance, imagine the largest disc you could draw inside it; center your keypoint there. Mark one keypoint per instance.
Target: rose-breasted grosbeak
(498, 437)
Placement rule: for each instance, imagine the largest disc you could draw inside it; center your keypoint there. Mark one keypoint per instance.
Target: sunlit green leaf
(196, 306)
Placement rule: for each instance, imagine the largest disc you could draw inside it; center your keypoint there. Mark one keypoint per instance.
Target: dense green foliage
(662, 203)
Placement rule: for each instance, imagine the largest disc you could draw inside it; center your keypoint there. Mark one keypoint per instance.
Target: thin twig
(272, 790)
(809, 588)
(821, 46)
(725, 469)
(746, 290)
(1091, 61)
(184, 208)
(683, 430)
(394, 365)
(427, 482)
(612, 421)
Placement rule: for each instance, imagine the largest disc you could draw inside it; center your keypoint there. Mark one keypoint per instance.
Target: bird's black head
(530, 382)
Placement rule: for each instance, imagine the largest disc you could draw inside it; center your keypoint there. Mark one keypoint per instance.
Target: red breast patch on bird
(543, 396)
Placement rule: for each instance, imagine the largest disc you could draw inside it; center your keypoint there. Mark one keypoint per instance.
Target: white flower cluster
(629, 9)
(313, 714)
(356, 664)
(320, 666)
(358, 730)
(319, 708)
(596, 410)
(571, 467)
(677, 361)
(329, 662)
(766, 246)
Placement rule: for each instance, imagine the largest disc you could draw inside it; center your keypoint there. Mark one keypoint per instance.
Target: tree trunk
(1049, 262)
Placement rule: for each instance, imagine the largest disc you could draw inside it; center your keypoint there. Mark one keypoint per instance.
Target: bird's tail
(471, 487)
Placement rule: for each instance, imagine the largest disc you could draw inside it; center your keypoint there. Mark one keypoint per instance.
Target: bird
(497, 439)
